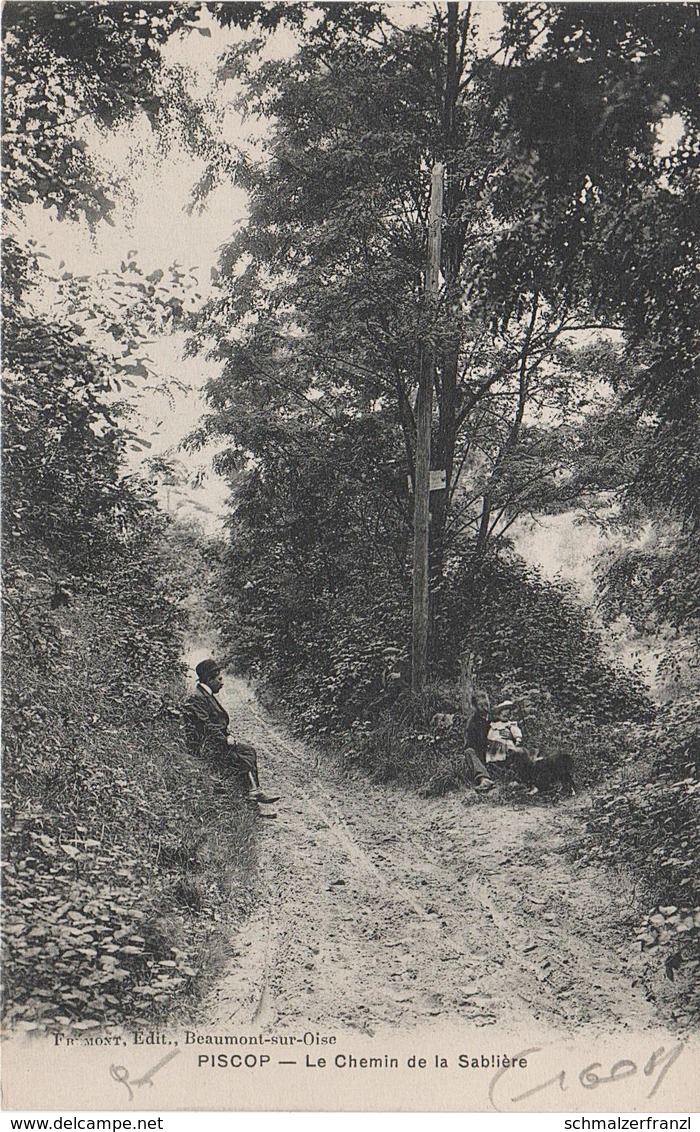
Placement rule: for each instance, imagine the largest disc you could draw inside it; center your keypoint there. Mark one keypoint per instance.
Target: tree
(623, 77)
(68, 62)
(64, 64)
(321, 319)
(619, 75)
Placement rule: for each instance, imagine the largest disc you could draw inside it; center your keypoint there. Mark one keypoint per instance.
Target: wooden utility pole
(424, 420)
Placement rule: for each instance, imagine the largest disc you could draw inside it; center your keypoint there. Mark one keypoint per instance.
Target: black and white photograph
(351, 557)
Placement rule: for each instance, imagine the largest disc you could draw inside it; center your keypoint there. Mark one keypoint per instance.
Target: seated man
(475, 742)
(206, 730)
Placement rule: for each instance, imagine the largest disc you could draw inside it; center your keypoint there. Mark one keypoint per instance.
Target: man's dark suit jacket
(476, 734)
(206, 724)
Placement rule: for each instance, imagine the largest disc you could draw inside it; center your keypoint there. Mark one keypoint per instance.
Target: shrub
(652, 825)
(109, 825)
(532, 632)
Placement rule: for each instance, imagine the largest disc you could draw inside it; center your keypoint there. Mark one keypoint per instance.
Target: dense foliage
(118, 853)
(117, 850)
(632, 69)
(650, 823)
(67, 64)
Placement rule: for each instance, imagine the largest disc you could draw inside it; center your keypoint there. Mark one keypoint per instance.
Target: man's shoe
(263, 799)
(485, 784)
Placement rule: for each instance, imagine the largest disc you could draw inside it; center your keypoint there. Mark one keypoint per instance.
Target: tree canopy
(555, 320)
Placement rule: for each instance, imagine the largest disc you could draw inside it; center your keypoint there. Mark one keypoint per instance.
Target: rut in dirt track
(380, 909)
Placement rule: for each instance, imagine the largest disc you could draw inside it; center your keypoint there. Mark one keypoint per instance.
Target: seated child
(505, 734)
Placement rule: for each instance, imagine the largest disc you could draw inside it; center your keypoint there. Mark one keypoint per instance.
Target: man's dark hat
(206, 669)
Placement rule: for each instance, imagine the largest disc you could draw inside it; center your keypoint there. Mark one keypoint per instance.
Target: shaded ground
(378, 909)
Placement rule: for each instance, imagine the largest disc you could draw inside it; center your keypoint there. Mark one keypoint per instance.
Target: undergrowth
(121, 852)
(650, 823)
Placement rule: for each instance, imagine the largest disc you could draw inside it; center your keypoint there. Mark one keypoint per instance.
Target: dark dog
(543, 772)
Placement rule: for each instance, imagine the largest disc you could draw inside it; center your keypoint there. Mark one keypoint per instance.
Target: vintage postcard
(350, 541)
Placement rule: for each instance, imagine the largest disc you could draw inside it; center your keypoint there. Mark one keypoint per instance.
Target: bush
(531, 632)
(118, 854)
(405, 744)
(652, 825)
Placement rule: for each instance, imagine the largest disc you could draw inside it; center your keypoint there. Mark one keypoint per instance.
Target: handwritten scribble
(121, 1074)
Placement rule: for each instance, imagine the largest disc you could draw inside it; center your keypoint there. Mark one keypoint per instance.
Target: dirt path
(379, 909)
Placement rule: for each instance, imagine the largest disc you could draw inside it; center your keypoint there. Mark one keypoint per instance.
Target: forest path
(379, 909)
